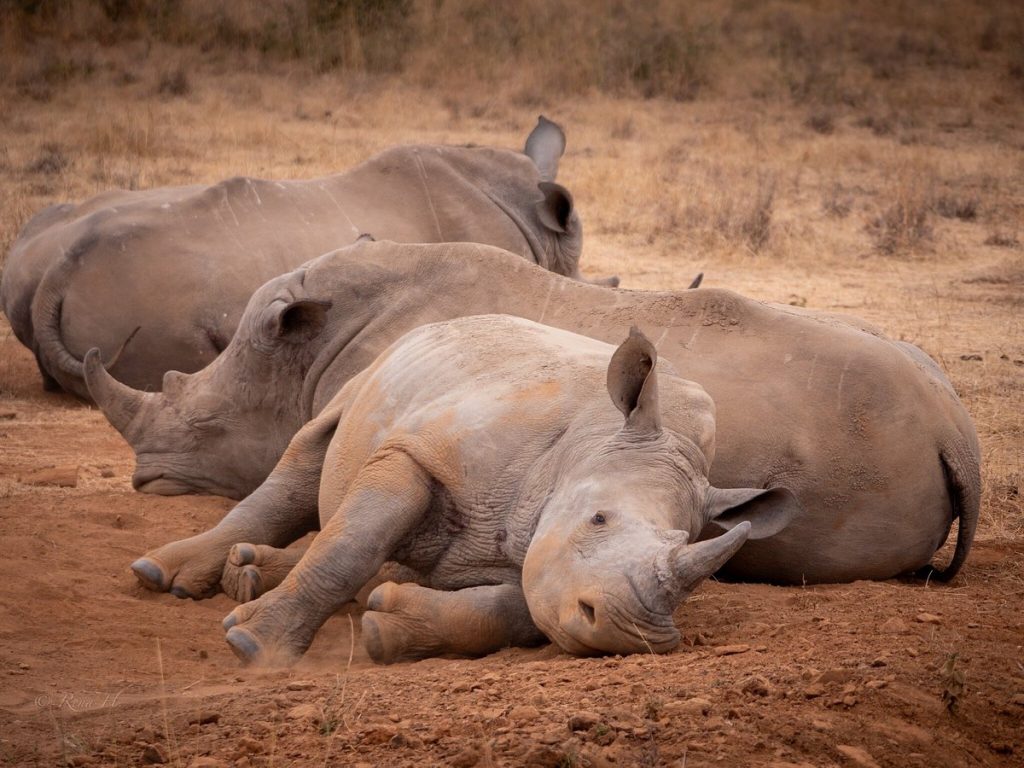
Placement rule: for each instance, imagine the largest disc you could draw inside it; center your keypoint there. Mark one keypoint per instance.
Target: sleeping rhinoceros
(157, 279)
(867, 432)
(484, 456)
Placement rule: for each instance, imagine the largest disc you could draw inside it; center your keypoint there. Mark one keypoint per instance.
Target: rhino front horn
(119, 403)
(690, 564)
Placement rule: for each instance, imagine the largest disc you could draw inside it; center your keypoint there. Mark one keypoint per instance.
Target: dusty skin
(95, 670)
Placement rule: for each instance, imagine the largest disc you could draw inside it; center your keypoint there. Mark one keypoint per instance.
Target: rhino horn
(689, 564)
(119, 402)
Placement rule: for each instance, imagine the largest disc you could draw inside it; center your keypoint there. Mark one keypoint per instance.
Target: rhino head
(615, 551)
(222, 429)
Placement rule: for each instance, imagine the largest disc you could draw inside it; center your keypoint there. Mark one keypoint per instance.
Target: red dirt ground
(97, 671)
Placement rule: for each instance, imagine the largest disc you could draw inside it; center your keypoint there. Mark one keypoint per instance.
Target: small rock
(1002, 747)
(301, 685)
(973, 356)
(106, 472)
(814, 690)
(405, 739)
(8, 415)
(248, 746)
(973, 625)
(694, 706)
(1018, 699)
(524, 713)
(857, 756)
(207, 762)
(583, 721)
(876, 684)
(894, 626)
(467, 758)
(756, 685)
(309, 712)
(23, 665)
(205, 717)
(731, 650)
(154, 754)
(835, 676)
(879, 662)
(60, 477)
(928, 618)
(849, 700)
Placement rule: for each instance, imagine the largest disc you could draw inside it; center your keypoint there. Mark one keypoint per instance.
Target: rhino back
(839, 414)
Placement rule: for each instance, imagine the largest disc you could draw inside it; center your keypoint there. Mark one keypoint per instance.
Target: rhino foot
(254, 569)
(272, 630)
(187, 568)
(399, 622)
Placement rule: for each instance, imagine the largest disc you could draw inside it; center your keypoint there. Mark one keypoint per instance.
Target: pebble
(583, 721)
(524, 713)
(694, 706)
(60, 477)
(857, 756)
(154, 754)
(301, 685)
(309, 712)
(756, 685)
(814, 690)
(731, 650)
(928, 618)
(835, 676)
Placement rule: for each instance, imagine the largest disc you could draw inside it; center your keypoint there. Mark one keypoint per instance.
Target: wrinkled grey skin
(866, 432)
(483, 455)
(157, 279)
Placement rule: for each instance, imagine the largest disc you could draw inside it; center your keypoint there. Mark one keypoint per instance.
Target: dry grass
(864, 161)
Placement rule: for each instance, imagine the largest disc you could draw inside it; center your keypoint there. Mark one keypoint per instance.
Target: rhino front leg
(252, 569)
(404, 622)
(280, 511)
(382, 506)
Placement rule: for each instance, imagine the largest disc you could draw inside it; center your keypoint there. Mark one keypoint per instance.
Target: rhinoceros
(158, 279)
(484, 456)
(866, 432)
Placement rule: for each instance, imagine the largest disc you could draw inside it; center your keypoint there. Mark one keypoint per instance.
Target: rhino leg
(406, 621)
(383, 505)
(253, 569)
(277, 513)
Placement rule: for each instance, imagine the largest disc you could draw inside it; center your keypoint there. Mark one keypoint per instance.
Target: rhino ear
(545, 146)
(555, 210)
(633, 383)
(768, 510)
(301, 320)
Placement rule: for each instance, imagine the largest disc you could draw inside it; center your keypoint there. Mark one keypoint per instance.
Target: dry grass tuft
(51, 160)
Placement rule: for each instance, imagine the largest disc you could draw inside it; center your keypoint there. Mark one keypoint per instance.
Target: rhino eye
(598, 519)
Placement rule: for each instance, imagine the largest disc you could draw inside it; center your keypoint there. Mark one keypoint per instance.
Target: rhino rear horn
(633, 383)
(119, 402)
(545, 146)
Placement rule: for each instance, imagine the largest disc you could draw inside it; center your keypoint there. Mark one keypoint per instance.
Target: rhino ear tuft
(302, 320)
(545, 146)
(555, 210)
(768, 510)
(633, 382)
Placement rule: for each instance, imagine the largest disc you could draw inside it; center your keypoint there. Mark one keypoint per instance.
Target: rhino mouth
(162, 483)
(622, 629)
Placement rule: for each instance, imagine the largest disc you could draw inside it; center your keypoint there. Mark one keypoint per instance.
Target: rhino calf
(483, 455)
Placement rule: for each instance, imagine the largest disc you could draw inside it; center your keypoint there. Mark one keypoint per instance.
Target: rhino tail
(962, 474)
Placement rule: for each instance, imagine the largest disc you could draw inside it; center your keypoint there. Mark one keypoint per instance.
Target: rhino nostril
(588, 611)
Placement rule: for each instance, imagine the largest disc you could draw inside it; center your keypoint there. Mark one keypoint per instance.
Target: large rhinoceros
(158, 279)
(867, 432)
(483, 455)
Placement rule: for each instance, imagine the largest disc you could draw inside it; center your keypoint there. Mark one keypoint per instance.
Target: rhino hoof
(150, 574)
(242, 554)
(373, 642)
(244, 644)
